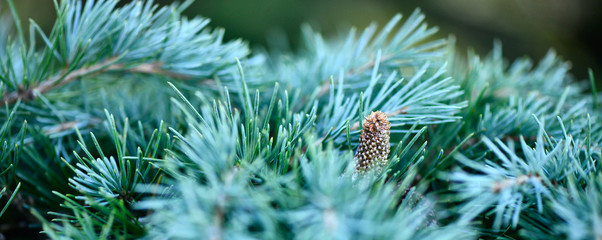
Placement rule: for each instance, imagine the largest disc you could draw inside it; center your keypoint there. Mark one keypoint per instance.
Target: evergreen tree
(134, 121)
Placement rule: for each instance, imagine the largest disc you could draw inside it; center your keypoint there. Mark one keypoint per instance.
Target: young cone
(373, 150)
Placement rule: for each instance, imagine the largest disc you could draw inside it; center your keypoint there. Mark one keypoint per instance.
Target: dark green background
(526, 27)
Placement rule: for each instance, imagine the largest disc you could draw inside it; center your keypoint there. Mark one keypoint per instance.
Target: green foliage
(580, 209)
(130, 120)
(9, 157)
(516, 181)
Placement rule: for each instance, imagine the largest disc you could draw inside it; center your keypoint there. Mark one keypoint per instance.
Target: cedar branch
(111, 64)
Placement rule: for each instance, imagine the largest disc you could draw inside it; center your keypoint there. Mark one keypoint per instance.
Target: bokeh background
(525, 27)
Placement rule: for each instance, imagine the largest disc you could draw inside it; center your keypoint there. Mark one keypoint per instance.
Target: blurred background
(525, 27)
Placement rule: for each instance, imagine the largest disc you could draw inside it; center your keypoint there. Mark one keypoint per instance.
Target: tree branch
(44, 86)
(501, 185)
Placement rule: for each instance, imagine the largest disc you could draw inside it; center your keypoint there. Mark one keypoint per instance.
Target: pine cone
(373, 150)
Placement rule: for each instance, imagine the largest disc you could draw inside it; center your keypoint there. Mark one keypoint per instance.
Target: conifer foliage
(133, 121)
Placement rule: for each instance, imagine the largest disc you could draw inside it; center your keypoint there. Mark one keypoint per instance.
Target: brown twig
(70, 125)
(153, 68)
(501, 185)
(48, 84)
(44, 86)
